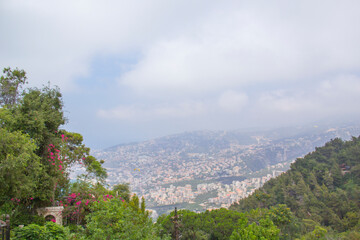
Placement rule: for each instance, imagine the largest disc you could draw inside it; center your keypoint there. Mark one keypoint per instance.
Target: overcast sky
(134, 70)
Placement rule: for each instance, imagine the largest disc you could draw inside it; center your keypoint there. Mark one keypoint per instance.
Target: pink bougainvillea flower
(53, 220)
(78, 203)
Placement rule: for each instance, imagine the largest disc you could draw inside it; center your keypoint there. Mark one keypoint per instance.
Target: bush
(35, 232)
(115, 219)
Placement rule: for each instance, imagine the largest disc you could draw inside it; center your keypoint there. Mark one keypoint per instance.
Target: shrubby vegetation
(118, 219)
(224, 224)
(48, 231)
(318, 198)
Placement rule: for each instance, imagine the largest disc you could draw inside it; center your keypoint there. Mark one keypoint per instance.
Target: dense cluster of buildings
(224, 194)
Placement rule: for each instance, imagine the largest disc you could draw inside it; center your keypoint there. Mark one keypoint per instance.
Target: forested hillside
(318, 198)
(323, 187)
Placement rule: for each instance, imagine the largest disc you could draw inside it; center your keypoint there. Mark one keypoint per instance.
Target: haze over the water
(133, 70)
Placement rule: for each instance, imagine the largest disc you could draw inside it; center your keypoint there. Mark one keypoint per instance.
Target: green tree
(10, 84)
(122, 190)
(35, 154)
(318, 233)
(264, 230)
(20, 168)
(216, 224)
(40, 115)
(115, 219)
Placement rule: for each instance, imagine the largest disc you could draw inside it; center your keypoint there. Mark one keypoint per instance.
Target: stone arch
(49, 217)
(56, 212)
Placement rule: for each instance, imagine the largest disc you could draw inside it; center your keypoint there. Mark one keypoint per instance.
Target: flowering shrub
(78, 205)
(61, 157)
(55, 157)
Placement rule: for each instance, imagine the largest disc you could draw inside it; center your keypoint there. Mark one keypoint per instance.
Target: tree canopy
(36, 154)
(322, 188)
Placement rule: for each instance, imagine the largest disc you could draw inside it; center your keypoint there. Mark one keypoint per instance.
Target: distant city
(207, 169)
(225, 195)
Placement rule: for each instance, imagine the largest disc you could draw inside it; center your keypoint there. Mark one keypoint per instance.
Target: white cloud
(216, 61)
(249, 45)
(227, 102)
(342, 86)
(334, 97)
(186, 45)
(283, 102)
(57, 40)
(139, 113)
(232, 101)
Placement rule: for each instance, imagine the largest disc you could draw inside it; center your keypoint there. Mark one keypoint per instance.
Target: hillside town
(225, 194)
(200, 170)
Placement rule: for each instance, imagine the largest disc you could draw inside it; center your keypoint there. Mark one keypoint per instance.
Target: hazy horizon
(289, 131)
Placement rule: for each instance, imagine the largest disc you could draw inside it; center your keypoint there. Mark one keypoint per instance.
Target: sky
(135, 70)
